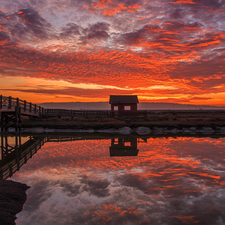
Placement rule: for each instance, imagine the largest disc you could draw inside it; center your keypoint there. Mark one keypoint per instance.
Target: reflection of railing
(13, 158)
(62, 139)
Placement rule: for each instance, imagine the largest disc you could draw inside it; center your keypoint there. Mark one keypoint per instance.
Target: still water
(125, 180)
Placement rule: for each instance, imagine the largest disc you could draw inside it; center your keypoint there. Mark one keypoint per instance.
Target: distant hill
(141, 106)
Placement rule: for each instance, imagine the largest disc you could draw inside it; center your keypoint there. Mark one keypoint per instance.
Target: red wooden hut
(126, 105)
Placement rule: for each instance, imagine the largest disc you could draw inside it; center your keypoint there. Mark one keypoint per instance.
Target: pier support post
(0, 101)
(11, 119)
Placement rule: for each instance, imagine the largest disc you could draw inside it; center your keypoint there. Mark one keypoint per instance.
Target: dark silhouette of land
(13, 196)
(141, 106)
(159, 119)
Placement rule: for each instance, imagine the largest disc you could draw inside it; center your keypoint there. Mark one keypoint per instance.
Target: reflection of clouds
(135, 181)
(97, 187)
(168, 183)
(38, 194)
(128, 205)
(71, 189)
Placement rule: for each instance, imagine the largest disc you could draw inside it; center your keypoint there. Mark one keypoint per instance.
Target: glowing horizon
(169, 51)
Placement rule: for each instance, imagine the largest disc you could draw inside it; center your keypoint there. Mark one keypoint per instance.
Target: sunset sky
(72, 50)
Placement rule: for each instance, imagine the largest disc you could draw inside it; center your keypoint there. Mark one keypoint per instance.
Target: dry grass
(68, 122)
(159, 119)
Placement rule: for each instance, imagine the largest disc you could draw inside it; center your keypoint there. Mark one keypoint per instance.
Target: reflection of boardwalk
(13, 157)
(63, 139)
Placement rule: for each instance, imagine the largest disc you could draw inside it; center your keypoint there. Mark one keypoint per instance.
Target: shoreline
(156, 123)
(140, 129)
(13, 196)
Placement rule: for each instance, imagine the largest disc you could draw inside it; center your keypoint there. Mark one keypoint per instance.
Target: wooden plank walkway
(10, 105)
(12, 110)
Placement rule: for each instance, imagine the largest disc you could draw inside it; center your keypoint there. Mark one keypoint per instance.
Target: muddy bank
(12, 197)
(155, 123)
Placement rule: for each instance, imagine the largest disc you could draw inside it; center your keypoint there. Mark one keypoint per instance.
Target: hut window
(127, 143)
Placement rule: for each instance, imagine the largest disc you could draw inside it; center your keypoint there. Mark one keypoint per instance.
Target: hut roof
(123, 99)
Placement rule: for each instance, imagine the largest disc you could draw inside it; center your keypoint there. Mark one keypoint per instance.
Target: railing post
(17, 103)
(35, 108)
(30, 106)
(39, 111)
(10, 102)
(0, 101)
(25, 106)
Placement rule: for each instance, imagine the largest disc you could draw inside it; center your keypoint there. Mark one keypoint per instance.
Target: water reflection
(170, 181)
(15, 154)
(124, 146)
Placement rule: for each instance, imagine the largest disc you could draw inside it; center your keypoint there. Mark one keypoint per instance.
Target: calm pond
(123, 180)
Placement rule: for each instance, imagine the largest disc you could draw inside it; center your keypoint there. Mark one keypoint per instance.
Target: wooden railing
(92, 113)
(10, 103)
(28, 108)
(76, 113)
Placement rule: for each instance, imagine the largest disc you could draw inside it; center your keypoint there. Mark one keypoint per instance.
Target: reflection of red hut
(126, 105)
(124, 146)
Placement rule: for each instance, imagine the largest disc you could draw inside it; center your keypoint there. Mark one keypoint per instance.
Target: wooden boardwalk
(10, 105)
(11, 110)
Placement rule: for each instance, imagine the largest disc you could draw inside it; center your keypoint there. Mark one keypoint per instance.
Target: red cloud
(110, 8)
(183, 2)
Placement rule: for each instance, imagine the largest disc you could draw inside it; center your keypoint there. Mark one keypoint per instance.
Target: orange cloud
(110, 8)
(173, 60)
(183, 2)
